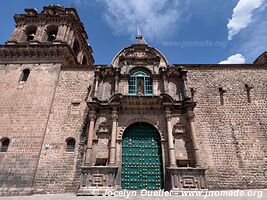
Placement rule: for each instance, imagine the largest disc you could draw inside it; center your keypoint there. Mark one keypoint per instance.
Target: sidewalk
(130, 195)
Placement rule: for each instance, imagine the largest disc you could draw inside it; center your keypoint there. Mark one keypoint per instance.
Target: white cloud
(242, 16)
(253, 40)
(234, 59)
(157, 19)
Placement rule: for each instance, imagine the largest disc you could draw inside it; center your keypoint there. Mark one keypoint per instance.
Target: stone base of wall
(97, 180)
(16, 191)
(186, 178)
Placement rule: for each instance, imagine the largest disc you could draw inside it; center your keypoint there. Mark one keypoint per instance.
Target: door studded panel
(141, 158)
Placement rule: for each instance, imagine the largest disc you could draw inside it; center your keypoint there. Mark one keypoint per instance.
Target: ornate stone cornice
(37, 53)
(107, 71)
(172, 70)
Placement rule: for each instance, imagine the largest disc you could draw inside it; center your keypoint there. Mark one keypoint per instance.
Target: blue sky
(202, 31)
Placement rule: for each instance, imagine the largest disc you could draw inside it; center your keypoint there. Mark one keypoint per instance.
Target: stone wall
(24, 111)
(40, 114)
(58, 170)
(232, 137)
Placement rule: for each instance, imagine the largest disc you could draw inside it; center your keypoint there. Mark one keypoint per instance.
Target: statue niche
(175, 88)
(101, 145)
(182, 146)
(140, 86)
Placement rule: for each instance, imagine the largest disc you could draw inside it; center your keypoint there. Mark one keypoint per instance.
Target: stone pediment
(139, 54)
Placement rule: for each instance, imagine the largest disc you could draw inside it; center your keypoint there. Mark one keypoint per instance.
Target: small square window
(70, 145)
(75, 108)
(4, 144)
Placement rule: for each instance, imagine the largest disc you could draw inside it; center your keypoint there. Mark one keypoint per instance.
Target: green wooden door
(141, 158)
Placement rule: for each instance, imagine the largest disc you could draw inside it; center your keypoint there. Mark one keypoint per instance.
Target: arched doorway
(141, 158)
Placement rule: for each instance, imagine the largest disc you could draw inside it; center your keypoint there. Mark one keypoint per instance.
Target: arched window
(4, 145)
(70, 144)
(140, 84)
(51, 32)
(76, 47)
(25, 75)
(84, 61)
(30, 32)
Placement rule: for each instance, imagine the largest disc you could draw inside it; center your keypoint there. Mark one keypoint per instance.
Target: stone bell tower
(57, 26)
(41, 48)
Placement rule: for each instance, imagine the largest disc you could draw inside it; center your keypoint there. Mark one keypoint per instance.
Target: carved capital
(116, 77)
(114, 115)
(92, 115)
(97, 77)
(168, 116)
(191, 116)
(164, 76)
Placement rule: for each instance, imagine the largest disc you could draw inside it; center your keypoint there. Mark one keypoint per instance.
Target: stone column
(91, 132)
(41, 34)
(96, 85)
(70, 38)
(116, 84)
(61, 30)
(191, 119)
(79, 56)
(112, 151)
(184, 85)
(66, 33)
(170, 139)
(118, 162)
(38, 34)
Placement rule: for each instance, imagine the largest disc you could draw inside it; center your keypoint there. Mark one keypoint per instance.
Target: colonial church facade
(139, 122)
